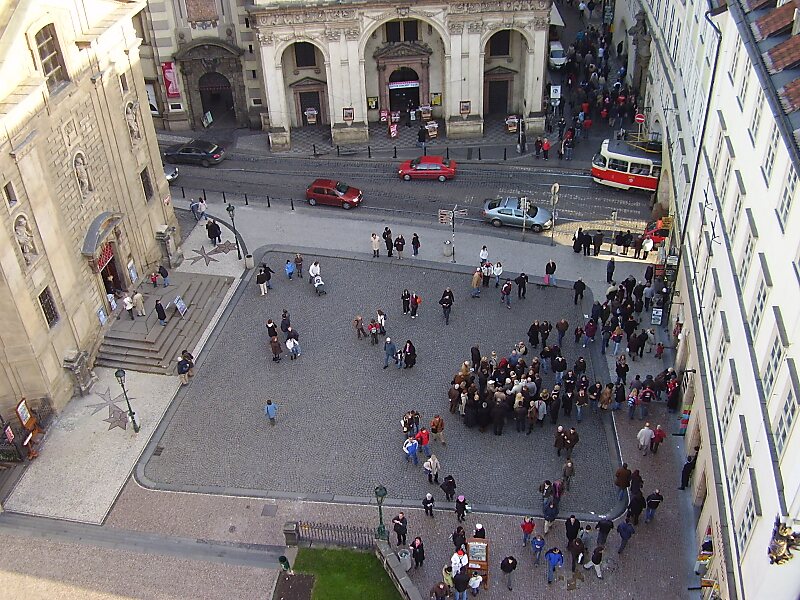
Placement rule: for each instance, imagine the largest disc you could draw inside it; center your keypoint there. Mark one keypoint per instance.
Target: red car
(335, 193)
(658, 231)
(428, 167)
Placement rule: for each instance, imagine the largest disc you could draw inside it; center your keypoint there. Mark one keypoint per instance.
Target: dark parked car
(196, 152)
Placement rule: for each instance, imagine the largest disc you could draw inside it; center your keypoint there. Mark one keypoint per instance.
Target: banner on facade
(170, 79)
(398, 85)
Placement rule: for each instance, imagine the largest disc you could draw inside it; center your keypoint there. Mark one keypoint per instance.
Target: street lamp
(380, 495)
(231, 210)
(553, 201)
(120, 375)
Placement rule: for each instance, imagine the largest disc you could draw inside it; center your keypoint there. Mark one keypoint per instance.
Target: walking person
(505, 293)
(475, 284)
(626, 532)
(527, 527)
(567, 473)
(161, 313)
(127, 303)
(497, 270)
(277, 349)
(437, 430)
(537, 545)
(653, 501)
(289, 269)
(271, 411)
(522, 285)
(375, 242)
(659, 435)
(138, 302)
(596, 561)
(164, 274)
(461, 509)
(622, 479)
(358, 325)
(579, 287)
(545, 148)
(636, 506)
(389, 350)
(577, 549)
(314, 271)
(508, 565)
(418, 551)
(184, 366)
(446, 302)
(415, 244)
(484, 255)
(645, 438)
(261, 280)
(214, 232)
(610, 266)
(298, 265)
(432, 465)
(555, 560)
(604, 527)
(449, 488)
(400, 523)
(550, 273)
(550, 513)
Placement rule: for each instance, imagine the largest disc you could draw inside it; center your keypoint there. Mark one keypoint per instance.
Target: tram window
(617, 165)
(640, 168)
(656, 171)
(599, 161)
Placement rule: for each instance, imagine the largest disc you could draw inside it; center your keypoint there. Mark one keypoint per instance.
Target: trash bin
(249, 263)
(404, 556)
(448, 248)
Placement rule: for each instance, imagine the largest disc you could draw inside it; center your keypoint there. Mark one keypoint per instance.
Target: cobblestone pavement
(339, 410)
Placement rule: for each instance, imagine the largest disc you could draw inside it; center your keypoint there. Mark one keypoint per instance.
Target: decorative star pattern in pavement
(107, 401)
(224, 247)
(203, 255)
(117, 418)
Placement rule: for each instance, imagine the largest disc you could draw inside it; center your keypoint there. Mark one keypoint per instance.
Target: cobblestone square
(338, 431)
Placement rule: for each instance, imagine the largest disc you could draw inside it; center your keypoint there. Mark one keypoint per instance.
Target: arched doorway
(305, 78)
(403, 89)
(216, 97)
(505, 63)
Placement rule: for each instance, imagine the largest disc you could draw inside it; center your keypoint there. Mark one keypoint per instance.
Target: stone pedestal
(356, 133)
(280, 139)
(264, 121)
(77, 363)
(534, 126)
(170, 252)
(459, 128)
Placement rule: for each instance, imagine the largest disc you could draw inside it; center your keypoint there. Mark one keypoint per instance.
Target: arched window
(50, 57)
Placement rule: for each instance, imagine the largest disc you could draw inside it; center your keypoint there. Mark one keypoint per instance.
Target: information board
(180, 305)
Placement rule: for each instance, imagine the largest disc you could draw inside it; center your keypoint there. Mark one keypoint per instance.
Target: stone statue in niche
(82, 175)
(24, 235)
(132, 119)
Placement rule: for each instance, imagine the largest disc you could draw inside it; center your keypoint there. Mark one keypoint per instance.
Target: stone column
(535, 73)
(467, 79)
(280, 123)
(346, 89)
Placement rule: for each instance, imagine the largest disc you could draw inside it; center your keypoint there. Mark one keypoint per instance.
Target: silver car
(170, 172)
(507, 211)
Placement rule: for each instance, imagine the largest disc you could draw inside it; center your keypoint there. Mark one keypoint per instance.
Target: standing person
(484, 255)
(508, 565)
(388, 241)
(161, 313)
(277, 349)
(610, 266)
(545, 151)
(389, 350)
(375, 242)
(461, 581)
(128, 304)
(486, 273)
(358, 325)
(415, 244)
(271, 411)
(522, 285)
(626, 532)
(653, 501)
(527, 527)
(415, 302)
(550, 273)
(437, 430)
(374, 329)
(475, 583)
(505, 293)
(449, 487)
(477, 277)
(597, 559)
(572, 527)
(497, 270)
(439, 591)
(554, 560)
(647, 246)
(446, 302)
(289, 269)
(405, 297)
(381, 319)
(410, 447)
(537, 544)
(293, 344)
(399, 245)
(164, 274)
(461, 509)
(597, 242)
(579, 287)
(424, 439)
(261, 280)
(567, 473)
(432, 467)
(688, 467)
(645, 438)
(418, 550)
(622, 479)
(138, 302)
(577, 549)
(298, 264)
(314, 271)
(400, 528)
(562, 326)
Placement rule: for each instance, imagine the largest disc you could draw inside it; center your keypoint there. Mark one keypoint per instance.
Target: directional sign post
(524, 205)
(448, 217)
(553, 202)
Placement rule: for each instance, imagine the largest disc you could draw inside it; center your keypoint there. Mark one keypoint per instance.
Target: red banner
(170, 79)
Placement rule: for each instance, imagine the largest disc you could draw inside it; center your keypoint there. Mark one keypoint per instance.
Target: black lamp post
(120, 375)
(380, 495)
(231, 210)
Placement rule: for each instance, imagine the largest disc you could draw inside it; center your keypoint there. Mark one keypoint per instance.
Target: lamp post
(120, 375)
(231, 210)
(380, 495)
(553, 202)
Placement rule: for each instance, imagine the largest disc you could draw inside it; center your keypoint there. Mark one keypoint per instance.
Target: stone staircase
(145, 345)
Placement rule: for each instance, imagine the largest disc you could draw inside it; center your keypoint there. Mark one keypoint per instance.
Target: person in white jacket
(644, 438)
(313, 271)
(484, 256)
(497, 270)
(458, 561)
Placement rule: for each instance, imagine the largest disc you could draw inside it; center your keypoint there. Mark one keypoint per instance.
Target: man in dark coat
(597, 240)
(499, 416)
(161, 313)
(475, 355)
(579, 287)
(522, 285)
(387, 239)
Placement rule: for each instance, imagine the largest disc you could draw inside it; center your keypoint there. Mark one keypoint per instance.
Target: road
(581, 203)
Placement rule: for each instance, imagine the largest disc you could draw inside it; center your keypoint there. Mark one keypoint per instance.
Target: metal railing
(335, 535)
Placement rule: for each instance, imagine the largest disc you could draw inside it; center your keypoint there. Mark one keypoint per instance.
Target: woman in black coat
(459, 538)
(533, 334)
(406, 298)
(410, 354)
(449, 487)
(417, 552)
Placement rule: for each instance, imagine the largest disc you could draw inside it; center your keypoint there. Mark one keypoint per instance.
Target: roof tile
(775, 20)
(784, 55)
(751, 5)
(790, 96)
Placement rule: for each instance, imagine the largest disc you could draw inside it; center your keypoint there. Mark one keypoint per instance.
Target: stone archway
(216, 96)
(205, 56)
(403, 57)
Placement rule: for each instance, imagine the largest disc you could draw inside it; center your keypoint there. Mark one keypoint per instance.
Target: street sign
(446, 217)
(639, 118)
(555, 92)
(461, 212)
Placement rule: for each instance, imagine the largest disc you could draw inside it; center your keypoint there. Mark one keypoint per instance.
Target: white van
(557, 58)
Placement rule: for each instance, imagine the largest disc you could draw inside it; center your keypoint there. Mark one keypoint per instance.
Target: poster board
(25, 416)
(180, 305)
(478, 555)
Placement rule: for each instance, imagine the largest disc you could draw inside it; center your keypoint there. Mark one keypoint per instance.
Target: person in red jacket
(659, 435)
(424, 438)
(527, 527)
(545, 148)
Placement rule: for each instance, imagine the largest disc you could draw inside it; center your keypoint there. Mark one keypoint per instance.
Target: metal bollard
(314, 146)
(448, 153)
(337, 150)
(268, 204)
(395, 152)
(504, 154)
(246, 203)
(224, 200)
(291, 201)
(479, 153)
(369, 151)
(424, 150)
(204, 195)
(183, 193)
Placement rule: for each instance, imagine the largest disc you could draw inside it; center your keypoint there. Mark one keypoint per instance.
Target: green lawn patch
(345, 574)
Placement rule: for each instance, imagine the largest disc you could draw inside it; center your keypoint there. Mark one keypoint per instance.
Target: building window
(769, 157)
(722, 351)
(500, 43)
(253, 74)
(147, 185)
(785, 421)
(50, 56)
(676, 41)
(737, 470)
(789, 187)
(123, 83)
(304, 55)
(392, 29)
(735, 60)
(747, 523)
(774, 360)
(10, 194)
(727, 411)
(717, 152)
(736, 212)
(758, 307)
(410, 30)
(48, 307)
(744, 85)
(755, 120)
(747, 258)
(726, 176)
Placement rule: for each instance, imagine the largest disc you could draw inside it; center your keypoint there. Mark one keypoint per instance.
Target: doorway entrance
(112, 280)
(497, 96)
(216, 96)
(309, 100)
(403, 89)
